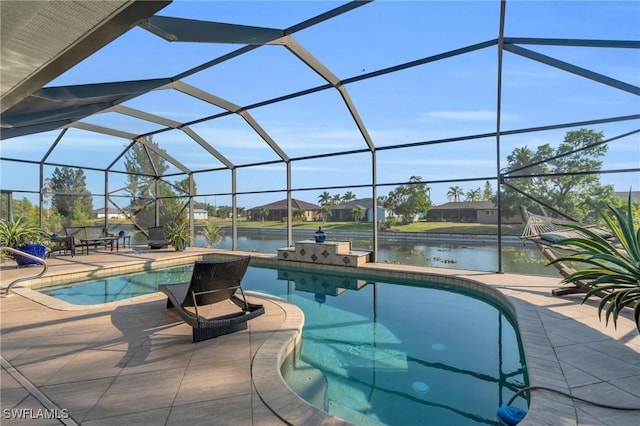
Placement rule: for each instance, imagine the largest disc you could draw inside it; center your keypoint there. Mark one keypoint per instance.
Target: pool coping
(543, 365)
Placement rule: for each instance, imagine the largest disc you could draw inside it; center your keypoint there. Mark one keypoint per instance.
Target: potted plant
(21, 236)
(177, 234)
(613, 265)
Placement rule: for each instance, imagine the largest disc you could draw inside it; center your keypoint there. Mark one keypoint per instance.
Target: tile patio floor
(134, 363)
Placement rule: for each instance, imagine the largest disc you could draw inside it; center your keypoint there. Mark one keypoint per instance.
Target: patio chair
(62, 244)
(157, 238)
(212, 282)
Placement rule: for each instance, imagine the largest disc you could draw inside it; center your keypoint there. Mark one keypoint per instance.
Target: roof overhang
(42, 39)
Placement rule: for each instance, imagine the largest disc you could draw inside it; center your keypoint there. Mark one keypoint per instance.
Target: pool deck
(133, 362)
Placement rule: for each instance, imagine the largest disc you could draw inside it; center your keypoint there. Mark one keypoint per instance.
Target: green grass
(434, 227)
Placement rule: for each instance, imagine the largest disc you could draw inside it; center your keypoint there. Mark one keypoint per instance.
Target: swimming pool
(387, 352)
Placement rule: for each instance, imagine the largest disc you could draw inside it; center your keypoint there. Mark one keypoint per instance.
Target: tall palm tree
(348, 196)
(455, 192)
(325, 212)
(263, 212)
(520, 157)
(335, 199)
(299, 215)
(324, 198)
(211, 233)
(473, 195)
(357, 213)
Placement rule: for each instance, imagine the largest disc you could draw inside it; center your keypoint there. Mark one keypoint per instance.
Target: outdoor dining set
(87, 237)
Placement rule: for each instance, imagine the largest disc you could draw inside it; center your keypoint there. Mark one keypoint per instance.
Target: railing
(28, 256)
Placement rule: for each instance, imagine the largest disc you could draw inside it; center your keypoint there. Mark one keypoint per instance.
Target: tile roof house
(278, 210)
(344, 212)
(464, 211)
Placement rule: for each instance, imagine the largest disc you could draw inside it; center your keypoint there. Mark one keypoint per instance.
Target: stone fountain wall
(325, 253)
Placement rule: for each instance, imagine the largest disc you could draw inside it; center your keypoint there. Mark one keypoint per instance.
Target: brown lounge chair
(212, 282)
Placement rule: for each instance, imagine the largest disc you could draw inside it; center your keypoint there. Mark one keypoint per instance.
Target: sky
(443, 99)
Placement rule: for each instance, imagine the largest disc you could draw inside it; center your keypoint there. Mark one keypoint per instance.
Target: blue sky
(453, 97)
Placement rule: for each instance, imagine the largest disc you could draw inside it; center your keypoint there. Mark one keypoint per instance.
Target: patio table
(126, 239)
(106, 241)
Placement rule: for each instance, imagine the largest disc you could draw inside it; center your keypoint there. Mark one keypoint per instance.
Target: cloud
(531, 77)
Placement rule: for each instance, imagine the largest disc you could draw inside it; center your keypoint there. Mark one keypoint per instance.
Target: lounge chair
(157, 239)
(212, 282)
(547, 234)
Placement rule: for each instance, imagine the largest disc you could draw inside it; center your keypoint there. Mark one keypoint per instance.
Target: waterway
(478, 254)
(454, 251)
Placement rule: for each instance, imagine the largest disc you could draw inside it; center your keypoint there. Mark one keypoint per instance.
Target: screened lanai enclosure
(134, 114)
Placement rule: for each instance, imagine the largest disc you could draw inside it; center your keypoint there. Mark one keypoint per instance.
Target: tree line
(564, 177)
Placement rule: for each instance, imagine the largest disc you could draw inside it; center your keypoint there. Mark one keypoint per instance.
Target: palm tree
(211, 233)
(357, 213)
(336, 199)
(324, 198)
(473, 195)
(455, 192)
(263, 212)
(348, 196)
(520, 157)
(325, 212)
(298, 214)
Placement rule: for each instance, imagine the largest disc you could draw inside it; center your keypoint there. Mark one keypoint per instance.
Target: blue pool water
(112, 289)
(386, 352)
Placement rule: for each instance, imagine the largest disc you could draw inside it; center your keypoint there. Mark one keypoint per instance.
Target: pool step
(351, 415)
(306, 380)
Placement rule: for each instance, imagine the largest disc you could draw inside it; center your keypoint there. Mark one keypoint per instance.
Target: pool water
(112, 289)
(400, 354)
(386, 352)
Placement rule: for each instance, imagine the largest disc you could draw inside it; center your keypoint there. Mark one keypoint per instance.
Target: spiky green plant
(613, 266)
(178, 234)
(18, 232)
(211, 233)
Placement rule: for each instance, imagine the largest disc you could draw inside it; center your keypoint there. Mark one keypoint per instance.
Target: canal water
(517, 257)
(445, 251)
